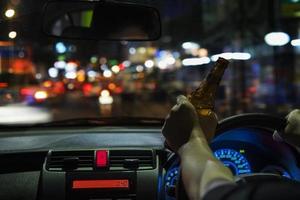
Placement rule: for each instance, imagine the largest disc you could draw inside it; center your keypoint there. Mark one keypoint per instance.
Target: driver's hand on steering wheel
(183, 123)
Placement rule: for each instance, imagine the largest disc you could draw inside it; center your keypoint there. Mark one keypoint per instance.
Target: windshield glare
(46, 79)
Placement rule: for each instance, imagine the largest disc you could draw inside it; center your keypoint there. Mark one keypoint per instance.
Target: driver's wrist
(197, 133)
(196, 145)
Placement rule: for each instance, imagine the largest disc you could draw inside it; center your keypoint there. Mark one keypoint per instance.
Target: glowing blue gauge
(234, 160)
(170, 183)
(171, 177)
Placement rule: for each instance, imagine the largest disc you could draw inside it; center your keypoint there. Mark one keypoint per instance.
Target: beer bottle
(203, 98)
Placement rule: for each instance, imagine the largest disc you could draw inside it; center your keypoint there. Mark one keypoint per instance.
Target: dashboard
(115, 163)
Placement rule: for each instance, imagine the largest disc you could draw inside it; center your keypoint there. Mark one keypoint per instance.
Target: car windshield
(44, 79)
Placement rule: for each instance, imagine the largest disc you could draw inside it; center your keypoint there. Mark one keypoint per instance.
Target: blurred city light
(113, 62)
(295, 42)
(139, 68)
(112, 86)
(121, 66)
(176, 54)
(70, 86)
(41, 95)
(71, 66)
(92, 74)
(226, 55)
(277, 38)
(142, 50)
(60, 47)
(162, 64)
(104, 67)
(81, 75)
(94, 59)
(190, 45)
(241, 56)
(47, 84)
(9, 13)
(105, 93)
(232, 56)
(106, 100)
(195, 61)
(132, 50)
(71, 75)
(12, 34)
(202, 52)
(126, 63)
(105, 97)
(107, 73)
(115, 69)
(53, 72)
(170, 60)
(61, 57)
(3, 85)
(19, 114)
(102, 60)
(60, 64)
(149, 63)
(38, 76)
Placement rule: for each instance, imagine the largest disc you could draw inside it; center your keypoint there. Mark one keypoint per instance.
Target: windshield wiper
(109, 121)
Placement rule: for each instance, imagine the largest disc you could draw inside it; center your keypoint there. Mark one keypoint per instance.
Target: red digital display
(101, 158)
(101, 184)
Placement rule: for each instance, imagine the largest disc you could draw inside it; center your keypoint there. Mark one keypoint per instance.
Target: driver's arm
(201, 171)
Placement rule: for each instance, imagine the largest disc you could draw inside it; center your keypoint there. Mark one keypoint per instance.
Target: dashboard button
(102, 158)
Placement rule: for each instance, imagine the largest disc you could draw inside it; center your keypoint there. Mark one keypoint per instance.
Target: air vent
(70, 160)
(141, 159)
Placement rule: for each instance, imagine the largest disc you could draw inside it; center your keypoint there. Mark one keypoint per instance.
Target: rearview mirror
(98, 20)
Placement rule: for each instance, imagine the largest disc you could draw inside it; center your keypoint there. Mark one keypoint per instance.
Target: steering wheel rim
(240, 180)
(258, 120)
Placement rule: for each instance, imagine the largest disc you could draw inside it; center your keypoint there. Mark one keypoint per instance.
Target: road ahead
(74, 105)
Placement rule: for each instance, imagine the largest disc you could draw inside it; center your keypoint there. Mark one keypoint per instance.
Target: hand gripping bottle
(203, 98)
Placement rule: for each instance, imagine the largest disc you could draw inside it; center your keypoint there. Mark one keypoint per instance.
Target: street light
(149, 63)
(107, 73)
(277, 38)
(53, 72)
(12, 34)
(60, 47)
(139, 68)
(232, 56)
(295, 43)
(195, 61)
(190, 45)
(9, 13)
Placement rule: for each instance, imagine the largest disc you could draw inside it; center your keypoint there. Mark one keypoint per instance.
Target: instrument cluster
(244, 151)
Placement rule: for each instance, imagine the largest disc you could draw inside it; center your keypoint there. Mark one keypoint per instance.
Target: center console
(103, 174)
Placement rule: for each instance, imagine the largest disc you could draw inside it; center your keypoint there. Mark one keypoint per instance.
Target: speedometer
(234, 160)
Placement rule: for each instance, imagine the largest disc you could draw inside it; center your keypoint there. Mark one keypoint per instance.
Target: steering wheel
(258, 120)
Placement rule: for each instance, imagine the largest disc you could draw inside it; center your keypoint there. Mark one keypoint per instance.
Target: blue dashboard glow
(170, 181)
(171, 176)
(234, 160)
(286, 174)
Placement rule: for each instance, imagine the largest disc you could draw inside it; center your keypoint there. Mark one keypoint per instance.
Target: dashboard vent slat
(145, 158)
(56, 160)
